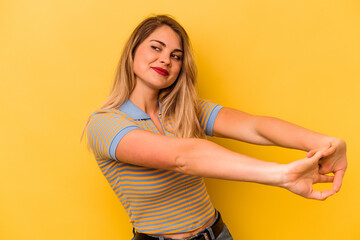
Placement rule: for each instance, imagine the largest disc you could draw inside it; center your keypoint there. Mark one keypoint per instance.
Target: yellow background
(296, 60)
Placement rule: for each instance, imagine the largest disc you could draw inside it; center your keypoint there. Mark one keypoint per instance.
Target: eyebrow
(163, 44)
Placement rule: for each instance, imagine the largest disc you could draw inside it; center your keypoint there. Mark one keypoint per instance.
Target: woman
(149, 141)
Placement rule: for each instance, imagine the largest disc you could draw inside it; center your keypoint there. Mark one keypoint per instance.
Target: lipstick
(161, 71)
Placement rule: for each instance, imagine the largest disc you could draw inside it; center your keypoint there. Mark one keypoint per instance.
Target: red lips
(161, 71)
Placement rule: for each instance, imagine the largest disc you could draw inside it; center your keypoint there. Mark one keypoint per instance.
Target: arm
(204, 158)
(235, 124)
(262, 130)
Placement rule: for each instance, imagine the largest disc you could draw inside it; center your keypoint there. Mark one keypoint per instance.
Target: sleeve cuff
(117, 139)
(211, 121)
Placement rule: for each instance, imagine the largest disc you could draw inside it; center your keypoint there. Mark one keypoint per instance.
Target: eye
(176, 57)
(155, 48)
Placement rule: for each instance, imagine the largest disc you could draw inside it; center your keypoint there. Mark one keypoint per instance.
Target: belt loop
(211, 233)
(134, 233)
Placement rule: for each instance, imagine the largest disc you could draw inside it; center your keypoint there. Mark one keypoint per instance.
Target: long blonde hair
(179, 102)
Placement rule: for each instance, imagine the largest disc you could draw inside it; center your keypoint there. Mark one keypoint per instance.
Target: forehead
(166, 35)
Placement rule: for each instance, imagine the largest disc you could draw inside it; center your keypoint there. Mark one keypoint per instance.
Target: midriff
(188, 234)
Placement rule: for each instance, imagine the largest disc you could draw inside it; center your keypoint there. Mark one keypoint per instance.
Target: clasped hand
(302, 174)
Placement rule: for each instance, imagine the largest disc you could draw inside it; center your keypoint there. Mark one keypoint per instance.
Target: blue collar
(130, 109)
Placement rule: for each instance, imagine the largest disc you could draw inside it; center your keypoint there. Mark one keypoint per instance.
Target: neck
(146, 100)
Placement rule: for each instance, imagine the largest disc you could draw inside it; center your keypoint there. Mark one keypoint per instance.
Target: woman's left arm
(261, 130)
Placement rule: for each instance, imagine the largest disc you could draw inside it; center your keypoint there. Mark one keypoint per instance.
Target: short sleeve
(105, 130)
(207, 116)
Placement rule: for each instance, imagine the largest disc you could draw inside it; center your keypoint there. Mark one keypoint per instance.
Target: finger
(338, 180)
(324, 179)
(329, 151)
(317, 155)
(320, 152)
(321, 195)
(311, 153)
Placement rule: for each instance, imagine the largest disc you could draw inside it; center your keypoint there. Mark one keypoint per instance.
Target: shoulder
(207, 104)
(207, 107)
(106, 128)
(208, 111)
(109, 114)
(106, 119)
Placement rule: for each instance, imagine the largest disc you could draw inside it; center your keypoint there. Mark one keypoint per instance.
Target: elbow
(187, 155)
(181, 164)
(261, 129)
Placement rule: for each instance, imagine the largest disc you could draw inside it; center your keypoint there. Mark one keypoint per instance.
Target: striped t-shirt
(157, 201)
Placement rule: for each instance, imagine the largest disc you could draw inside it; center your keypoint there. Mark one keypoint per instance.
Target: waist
(189, 234)
(213, 227)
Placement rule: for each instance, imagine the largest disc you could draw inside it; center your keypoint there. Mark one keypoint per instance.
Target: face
(158, 59)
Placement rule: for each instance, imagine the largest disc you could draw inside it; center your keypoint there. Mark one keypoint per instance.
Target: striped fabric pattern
(157, 201)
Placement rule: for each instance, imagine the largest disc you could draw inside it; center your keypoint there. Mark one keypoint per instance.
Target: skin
(161, 49)
(201, 157)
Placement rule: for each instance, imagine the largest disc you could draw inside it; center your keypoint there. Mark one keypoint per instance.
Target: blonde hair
(179, 102)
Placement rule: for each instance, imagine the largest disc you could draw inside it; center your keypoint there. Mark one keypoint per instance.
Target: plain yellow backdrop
(296, 60)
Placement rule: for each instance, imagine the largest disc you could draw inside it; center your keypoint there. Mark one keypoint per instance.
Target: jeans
(224, 235)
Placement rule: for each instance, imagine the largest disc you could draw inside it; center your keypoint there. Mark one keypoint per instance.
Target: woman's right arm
(204, 158)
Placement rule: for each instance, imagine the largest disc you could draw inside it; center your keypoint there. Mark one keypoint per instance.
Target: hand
(333, 161)
(302, 174)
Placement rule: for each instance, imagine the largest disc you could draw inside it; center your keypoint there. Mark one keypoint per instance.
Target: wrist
(320, 142)
(282, 176)
(278, 174)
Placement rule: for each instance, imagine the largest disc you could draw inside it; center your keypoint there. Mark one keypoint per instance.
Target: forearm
(203, 158)
(194, 156)
(285, 134)
(207, 159)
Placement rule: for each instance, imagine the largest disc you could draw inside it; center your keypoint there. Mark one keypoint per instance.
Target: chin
(162, 85)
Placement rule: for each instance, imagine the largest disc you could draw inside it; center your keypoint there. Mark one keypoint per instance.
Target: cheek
(142, 59)
(178, 68)
(176, 74)
(137, 69)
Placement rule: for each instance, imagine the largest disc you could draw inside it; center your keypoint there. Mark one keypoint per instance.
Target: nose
(165, 59)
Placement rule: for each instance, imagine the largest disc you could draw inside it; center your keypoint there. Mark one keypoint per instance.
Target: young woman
(149, 141)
